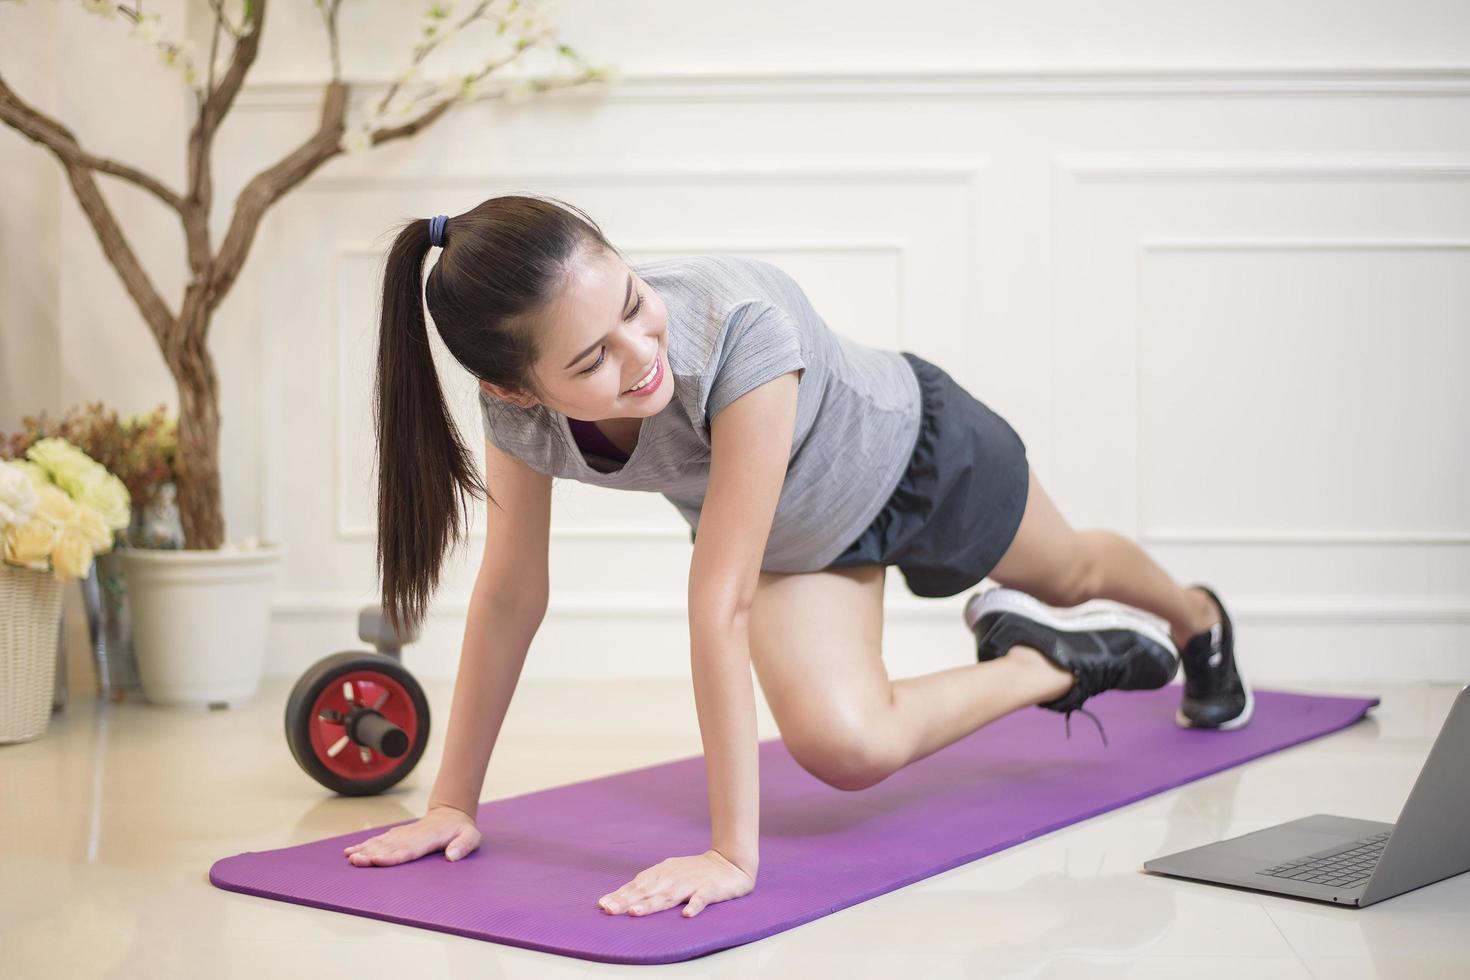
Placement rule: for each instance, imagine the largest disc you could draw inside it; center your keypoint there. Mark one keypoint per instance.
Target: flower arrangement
(58, 509)
(139, 449)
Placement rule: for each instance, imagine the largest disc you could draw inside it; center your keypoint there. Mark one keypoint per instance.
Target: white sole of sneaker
(1002, 599)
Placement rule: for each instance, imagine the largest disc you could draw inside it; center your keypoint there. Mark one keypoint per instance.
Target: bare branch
(329, 17)
(422, 51)
(80, 168)
(45, 130)
(271, 184)
(388, 134)
(266, 187)
(219, 102)
(469, 80)
(220, 20)
(201, 143)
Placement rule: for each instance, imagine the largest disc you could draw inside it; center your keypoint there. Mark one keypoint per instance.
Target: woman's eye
(602, 354)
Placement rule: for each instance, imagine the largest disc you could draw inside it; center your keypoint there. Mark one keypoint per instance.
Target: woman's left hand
(700, 878)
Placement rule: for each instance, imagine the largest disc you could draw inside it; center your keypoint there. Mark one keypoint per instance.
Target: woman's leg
(816, 645)
(1063, 567)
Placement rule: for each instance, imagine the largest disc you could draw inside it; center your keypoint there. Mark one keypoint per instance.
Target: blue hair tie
(436, 229)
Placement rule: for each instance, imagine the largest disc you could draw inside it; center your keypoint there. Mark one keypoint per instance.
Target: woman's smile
(650, 381)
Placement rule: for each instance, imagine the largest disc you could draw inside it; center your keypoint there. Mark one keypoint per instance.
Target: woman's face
(603, 334)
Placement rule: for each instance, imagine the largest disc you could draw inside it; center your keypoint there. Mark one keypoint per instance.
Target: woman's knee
(842, 756)
(816, 645)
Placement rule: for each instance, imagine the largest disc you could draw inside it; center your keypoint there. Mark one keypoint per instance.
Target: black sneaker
(1215, 696)
(1104, 649)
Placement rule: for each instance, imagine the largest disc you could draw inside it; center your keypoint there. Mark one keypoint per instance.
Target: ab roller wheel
(357, 721)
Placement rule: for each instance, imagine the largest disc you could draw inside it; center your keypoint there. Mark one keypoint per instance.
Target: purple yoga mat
(548, 856)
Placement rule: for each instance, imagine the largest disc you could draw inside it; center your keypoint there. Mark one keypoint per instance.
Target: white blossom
(529, 22)
(525, 18)
(18, 497)
(102, 8)
(149, 27)
(179, 54)
(519, 90)
(357, 139)
(398, 106)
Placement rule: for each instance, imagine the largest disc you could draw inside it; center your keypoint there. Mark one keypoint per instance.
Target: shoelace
(1067, 717)
(1067, 723)
(1111, 671)
(1110, 678)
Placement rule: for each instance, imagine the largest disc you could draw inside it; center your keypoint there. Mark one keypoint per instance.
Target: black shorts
(957, 506)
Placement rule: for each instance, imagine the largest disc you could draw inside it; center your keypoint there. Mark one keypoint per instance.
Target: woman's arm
(751, 441)
(506, 608)
(724, 699)
(498, 634)
(750, 445)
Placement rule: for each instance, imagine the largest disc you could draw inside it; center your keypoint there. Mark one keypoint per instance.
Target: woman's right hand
(441, 828)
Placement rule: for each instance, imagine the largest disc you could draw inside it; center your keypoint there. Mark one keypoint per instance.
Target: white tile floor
(109, 823)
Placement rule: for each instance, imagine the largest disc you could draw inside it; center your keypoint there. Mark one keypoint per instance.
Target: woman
(804, 464)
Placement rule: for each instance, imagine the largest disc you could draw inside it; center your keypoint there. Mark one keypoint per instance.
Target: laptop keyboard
(1340, 868)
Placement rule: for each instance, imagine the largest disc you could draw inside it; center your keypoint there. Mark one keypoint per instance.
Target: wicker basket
(30, 621)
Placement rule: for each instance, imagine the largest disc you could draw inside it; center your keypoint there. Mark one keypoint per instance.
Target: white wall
(1212, 263)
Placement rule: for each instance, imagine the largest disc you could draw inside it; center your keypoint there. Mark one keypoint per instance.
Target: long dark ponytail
(502, 260)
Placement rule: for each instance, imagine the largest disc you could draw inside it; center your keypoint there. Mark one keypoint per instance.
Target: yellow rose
(30, 543)
(63, 462)
(84, 479)
(90, 522)
(105, 493)
(55, 506)
(71, 557)
(38, 476)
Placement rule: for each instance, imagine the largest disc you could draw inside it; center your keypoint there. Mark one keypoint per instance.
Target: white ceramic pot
(200, 621)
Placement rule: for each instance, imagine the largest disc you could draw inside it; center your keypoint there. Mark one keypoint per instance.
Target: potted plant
(139, 451)
(179, 583)
(58, 508)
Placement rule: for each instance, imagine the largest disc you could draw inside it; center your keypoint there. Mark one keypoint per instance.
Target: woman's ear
(495, 391)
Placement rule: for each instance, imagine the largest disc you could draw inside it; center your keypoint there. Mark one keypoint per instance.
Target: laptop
(1349, 861)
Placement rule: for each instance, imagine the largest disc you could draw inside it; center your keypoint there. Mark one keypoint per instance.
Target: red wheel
(357, 722)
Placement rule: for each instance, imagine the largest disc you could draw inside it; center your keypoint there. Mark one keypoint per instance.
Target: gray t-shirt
(733, 324)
